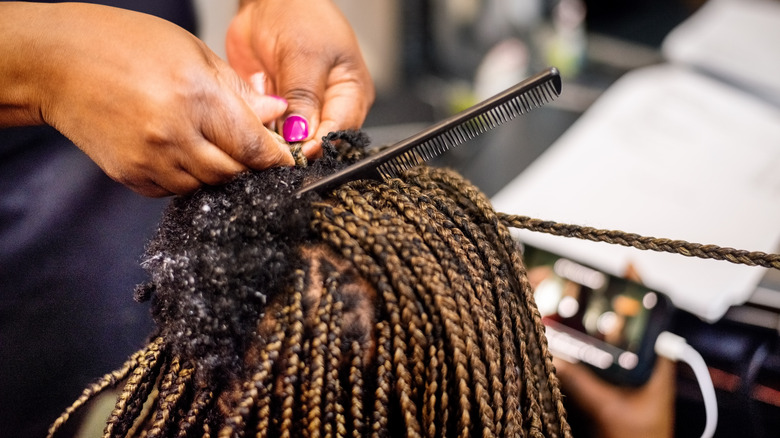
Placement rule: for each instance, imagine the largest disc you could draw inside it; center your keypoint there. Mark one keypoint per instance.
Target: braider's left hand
(309, 56)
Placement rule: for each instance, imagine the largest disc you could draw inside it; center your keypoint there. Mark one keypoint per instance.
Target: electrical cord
(676, 348)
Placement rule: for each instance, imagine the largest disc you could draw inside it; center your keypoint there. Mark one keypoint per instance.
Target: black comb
(449, 133)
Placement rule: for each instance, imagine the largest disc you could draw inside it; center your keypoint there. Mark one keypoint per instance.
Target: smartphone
(606, 322)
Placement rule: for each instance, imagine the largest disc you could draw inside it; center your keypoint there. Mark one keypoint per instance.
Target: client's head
(384, 309)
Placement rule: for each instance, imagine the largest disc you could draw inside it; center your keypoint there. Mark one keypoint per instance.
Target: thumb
(238, 127)
(267, 107)
(303, 86)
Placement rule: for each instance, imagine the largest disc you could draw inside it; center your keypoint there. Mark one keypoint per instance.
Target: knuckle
(186, 189)
(143, 186)
(154, 192)
(219, 176)
(156, 133)
(303, 96)
(266, 157)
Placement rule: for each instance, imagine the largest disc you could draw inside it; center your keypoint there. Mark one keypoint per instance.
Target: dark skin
(647, 411)
(333, 93)
(166, 118)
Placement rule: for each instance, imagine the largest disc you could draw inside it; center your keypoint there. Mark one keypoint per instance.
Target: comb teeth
(447, 134)
(469, 129)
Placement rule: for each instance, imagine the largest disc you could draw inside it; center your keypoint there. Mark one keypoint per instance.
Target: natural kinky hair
(218, 253)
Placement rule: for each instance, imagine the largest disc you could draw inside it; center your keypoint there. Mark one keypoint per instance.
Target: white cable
(675, 348)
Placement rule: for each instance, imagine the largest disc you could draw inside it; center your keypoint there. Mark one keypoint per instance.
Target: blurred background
(432, 58)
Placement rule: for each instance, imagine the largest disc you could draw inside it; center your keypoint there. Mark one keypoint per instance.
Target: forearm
(21, 49)
(146, 100)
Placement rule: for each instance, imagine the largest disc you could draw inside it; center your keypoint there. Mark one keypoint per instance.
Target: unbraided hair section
(221, 253)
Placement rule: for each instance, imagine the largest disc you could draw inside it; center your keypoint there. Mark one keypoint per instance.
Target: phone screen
(607, 322)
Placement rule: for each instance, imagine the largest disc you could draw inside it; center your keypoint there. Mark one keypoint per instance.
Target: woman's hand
(309, 55)
(145, 99)
(647, 411)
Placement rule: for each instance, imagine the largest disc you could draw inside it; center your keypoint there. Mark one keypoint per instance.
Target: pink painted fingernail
(295, 129)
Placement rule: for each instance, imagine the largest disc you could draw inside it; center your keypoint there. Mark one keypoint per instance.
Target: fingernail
(295, 129)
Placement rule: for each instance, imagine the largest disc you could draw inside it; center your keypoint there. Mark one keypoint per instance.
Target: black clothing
(71, 240)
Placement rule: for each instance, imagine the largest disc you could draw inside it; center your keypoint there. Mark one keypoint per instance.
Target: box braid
(398, 308)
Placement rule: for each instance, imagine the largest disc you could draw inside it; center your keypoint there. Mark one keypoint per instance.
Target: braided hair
(397, 308)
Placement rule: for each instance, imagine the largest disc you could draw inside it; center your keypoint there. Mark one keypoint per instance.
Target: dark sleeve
(71, 240)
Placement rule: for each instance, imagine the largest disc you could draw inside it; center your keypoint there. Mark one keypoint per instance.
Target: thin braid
(142, 419)
(109, 380)
(473, 297)
(504, 241)
(331, 360)
(335, 424)
(405, 322)
(263, 383)
(434, 403)
(356, 390)
(317, 374)
(335, 234)
(406, 245)
(136, 390)
(201, 401)
(304, 373)
(407, 296)
(384, 378)
(507, 395)
(443, 241)
(172, 388)
(292, 350)
(616, 237)
(236, 422)
(553, 401)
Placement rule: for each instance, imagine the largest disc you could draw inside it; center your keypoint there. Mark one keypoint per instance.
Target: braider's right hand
(644, 412)
(145, 99)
